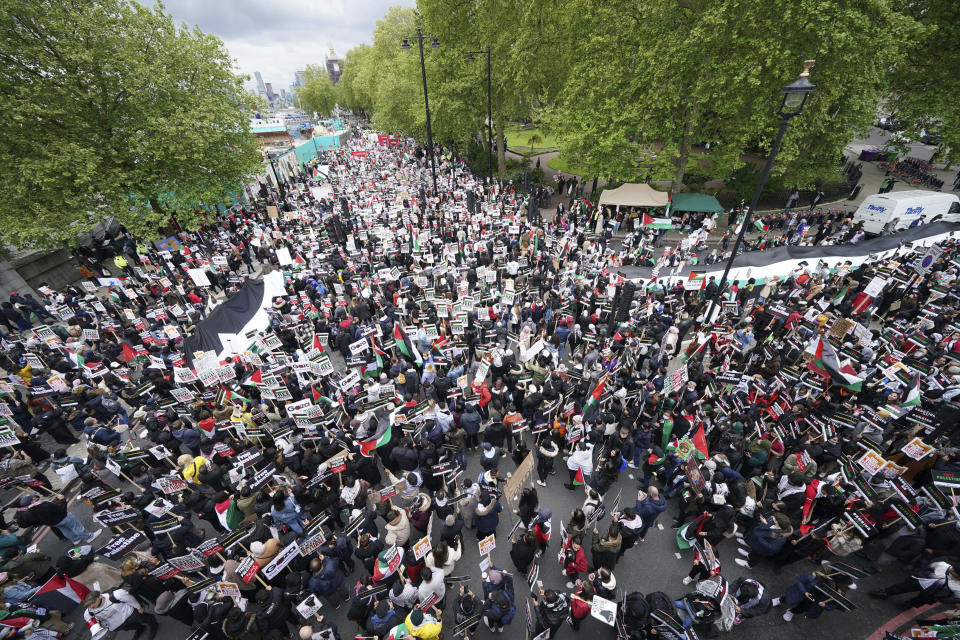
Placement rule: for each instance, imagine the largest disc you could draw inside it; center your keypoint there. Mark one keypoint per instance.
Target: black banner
(121, 545)
(117, 516)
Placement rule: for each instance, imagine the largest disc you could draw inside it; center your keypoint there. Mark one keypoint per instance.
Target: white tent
(634, 195)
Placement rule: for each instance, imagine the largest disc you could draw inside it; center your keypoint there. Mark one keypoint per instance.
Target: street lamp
(280, 189)
(435, 43)
(795, 97)
(489, 110)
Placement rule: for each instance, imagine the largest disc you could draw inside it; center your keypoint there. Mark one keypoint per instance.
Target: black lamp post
(489, 110)
(794, 97)
(435, 43)
(280, 189)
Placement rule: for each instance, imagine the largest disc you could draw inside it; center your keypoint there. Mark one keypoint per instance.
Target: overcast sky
(277, 37)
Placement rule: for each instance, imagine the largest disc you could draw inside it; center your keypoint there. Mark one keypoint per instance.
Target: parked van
(903, 209)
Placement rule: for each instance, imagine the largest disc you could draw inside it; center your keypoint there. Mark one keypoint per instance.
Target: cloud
(278, 37)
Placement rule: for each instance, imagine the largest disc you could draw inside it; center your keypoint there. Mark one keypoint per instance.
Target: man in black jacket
(53, 513)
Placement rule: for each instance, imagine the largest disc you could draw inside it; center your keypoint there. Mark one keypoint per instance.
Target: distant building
(261, 88)
(334, 65)
(271, 96)
(301, 78)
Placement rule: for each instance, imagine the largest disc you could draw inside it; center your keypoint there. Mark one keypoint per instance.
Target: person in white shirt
(118, 611)
(431, 583)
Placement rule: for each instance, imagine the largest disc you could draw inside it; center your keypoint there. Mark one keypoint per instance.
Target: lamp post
(795, 96)
(280, 189)
(489, 110)
(435, 43)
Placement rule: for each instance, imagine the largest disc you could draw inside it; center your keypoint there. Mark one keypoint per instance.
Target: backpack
(109, 403)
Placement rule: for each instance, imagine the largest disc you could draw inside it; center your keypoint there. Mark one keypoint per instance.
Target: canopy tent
(634, 195)
(696, 202)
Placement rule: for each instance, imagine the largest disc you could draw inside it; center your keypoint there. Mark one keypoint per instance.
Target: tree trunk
(685, 143)
(684, 156)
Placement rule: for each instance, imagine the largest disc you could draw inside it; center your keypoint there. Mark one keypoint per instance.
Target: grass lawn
(561, 164)
(518, 141)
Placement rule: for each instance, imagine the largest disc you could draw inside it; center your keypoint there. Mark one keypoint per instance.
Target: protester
(415, 347)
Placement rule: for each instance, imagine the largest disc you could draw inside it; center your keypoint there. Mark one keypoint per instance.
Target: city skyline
(284, 36)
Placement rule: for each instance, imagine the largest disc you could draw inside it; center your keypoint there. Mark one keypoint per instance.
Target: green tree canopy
(925, 85)
(653, 78)
(113, 110)
(318, 93)
(352, 91)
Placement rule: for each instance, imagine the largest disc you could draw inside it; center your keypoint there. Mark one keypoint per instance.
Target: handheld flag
(826, 362)
(578, 478)
(913, 395)
(406, 347)
(594, 399)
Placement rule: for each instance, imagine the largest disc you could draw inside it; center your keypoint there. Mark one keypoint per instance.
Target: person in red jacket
(574, 562)
(580, 605)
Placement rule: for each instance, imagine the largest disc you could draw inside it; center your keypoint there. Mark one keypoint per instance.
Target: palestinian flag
(225, 396)
(317, 344)
(387, 563)
(255, 379)
(683, 542)
(378, 440)
(436, 349)
(76, 359)
(373, 369)
(228, 513)
(61, 593)
(699, 278)
(700, 442)
(406, 347)
(656, 223)
(399, 632)
(826, 362)
(759, 225)
(840, 296)
(594, 400)
(129, 354)
(913, 394)
(578, 478)
(208, 432)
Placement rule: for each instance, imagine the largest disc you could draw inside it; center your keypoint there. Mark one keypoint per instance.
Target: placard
(603, 610)
(309, 607)
(121, 544)
(488, 544)
(872, 462)
(917, 449)
(247, 569)
(422, 547)
(171, 484)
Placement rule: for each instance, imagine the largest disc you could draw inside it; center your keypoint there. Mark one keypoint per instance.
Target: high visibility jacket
(120, 261)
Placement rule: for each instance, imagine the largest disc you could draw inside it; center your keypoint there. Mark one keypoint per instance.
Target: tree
(112, 110)
(352, 92)
(677, 73)
(317, 93)
(924, 86)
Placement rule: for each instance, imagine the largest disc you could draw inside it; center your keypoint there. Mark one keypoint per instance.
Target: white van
(901, 209)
